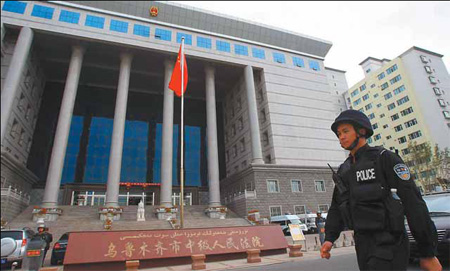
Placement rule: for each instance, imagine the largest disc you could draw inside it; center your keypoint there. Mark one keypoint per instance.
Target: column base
(110, 212)
(166, 213)
(219, 212)
(48, 214)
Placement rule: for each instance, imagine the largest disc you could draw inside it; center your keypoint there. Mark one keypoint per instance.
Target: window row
(144, 31)
(298, 210)
(296, 186)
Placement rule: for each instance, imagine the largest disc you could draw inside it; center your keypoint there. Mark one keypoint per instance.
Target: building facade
(87, 113)
(407, 100)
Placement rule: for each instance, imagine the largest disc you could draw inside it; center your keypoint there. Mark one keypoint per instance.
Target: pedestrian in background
(320, 225)
(374, 190)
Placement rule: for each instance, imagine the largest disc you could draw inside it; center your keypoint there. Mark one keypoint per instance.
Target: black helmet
(354, 117)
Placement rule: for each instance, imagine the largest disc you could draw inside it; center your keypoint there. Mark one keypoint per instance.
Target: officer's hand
(325, 250)
(430, 264)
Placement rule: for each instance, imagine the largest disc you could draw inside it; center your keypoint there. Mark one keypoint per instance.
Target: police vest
(371, 204)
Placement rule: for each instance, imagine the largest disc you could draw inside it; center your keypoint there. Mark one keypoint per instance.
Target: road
(345, 262)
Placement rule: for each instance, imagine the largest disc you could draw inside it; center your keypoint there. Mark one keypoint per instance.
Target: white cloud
(356, 29)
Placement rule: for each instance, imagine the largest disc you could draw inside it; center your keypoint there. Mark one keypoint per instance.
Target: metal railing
(16, 194)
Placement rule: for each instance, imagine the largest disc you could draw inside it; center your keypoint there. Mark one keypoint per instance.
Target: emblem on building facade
(154, 11)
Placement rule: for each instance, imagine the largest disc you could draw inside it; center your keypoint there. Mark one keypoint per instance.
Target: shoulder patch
(402, 171)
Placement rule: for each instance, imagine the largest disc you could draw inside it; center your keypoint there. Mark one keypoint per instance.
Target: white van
(310, 221)
(285, 220)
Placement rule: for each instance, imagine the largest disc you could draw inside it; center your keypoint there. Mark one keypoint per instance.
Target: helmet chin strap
(354, 144)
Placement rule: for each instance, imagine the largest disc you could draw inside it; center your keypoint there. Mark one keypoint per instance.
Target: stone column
(3, 36)
(253, 116)
(167, 139)
(62, 130)
(115, 157)
(15, 70)
(211, 126)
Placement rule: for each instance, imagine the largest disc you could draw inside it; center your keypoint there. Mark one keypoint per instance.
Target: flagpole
(182, 138)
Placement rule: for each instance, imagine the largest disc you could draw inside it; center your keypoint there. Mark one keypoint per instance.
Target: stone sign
(121, 246)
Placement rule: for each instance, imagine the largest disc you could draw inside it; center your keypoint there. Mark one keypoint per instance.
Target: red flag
(175, 80)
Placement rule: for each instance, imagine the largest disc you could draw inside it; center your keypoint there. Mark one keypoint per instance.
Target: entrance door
(187, 199)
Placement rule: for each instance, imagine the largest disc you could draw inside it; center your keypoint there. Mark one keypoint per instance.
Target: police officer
(371, 174)
(46, 237)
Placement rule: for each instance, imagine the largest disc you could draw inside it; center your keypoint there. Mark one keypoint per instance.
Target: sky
(356, 29)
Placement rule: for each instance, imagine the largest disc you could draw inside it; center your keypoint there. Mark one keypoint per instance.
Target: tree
(441, 165)
(431, 166)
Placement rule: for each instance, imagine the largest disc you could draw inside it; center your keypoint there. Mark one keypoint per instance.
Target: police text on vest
(365, 175)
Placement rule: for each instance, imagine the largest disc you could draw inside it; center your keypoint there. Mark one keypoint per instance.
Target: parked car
(14, 245)
(285, 220)
(439, 208)
(310, 221)
(59, 249)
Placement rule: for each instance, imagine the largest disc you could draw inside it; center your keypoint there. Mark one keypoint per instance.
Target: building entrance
(93, 198)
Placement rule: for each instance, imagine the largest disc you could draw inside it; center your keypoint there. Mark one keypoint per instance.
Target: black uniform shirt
(397, 175)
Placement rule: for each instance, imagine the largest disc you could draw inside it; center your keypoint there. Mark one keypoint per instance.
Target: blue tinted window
(42, 12)
(279, 58)
(399, 90)
(402, 100)
(363, 87)
(14, 6)
(298, 62)
(204, 42)
(258, 53)
(365, 97)
(314, 65)
(192, 138)
(141, 30)
(387, 96)
(134, 158)
(161, 34)
(396, 79)
(118, 26)
(69, 17)
(223, 46)
(358, 101)
(98, 150)
(94, 21)
(241, 50)
(354, 93)
(392, 69)
(187, 38)
(381, 76)
(158, 155)
(73, 148)
(158, 152)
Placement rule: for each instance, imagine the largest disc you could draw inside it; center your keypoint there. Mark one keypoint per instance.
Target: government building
(86, 112)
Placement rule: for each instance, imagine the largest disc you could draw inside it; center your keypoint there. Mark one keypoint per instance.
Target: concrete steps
(86, 218)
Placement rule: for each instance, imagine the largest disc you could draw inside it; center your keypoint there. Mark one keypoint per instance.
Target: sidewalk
(267, 260)
(310, 254)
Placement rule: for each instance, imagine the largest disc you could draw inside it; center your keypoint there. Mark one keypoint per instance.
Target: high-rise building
(87, 114)
(407, 100)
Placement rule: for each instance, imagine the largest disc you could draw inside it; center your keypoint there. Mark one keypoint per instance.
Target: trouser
(382, 250)
(321, 230)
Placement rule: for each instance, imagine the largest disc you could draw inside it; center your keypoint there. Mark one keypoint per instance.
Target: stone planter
(112, 213)
(217, 212)
(166, 213)
(48, 214)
